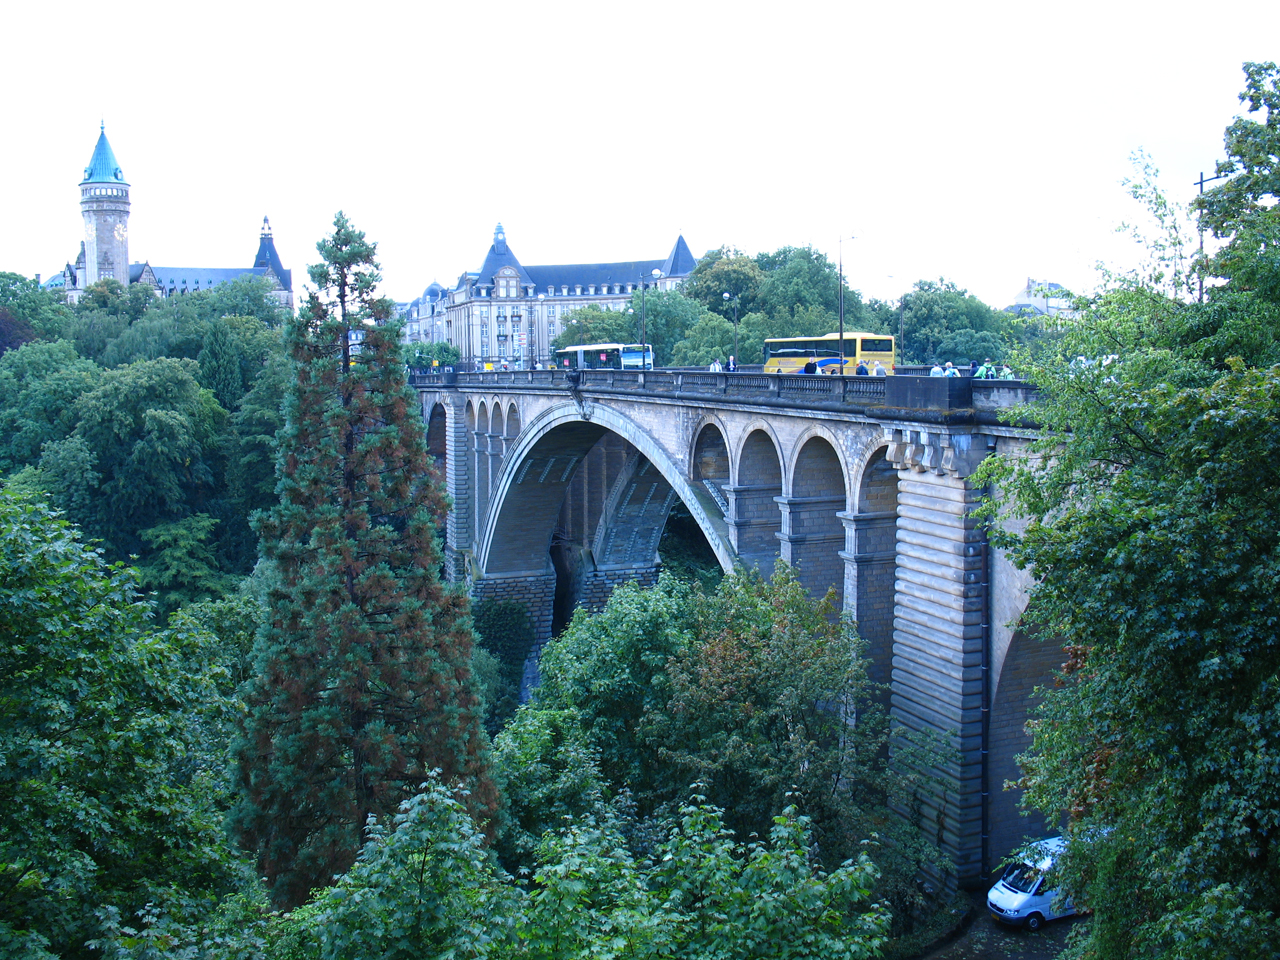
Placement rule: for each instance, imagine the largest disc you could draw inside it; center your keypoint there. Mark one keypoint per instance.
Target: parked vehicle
(1022, 897)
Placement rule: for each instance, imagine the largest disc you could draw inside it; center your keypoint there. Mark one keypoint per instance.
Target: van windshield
(1021, 877)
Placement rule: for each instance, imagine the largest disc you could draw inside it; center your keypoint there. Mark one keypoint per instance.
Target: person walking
(732, 365)
(937, 370)
(973, 367)
(951, 371)
(878, 370)
(862, 370)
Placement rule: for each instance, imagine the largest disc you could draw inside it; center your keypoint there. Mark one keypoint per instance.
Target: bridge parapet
(930, 398)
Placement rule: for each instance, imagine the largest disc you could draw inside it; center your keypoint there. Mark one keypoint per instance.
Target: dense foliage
(151, 423)
(362, 675)
(106, 781)
(1150, 523)
(753, 691)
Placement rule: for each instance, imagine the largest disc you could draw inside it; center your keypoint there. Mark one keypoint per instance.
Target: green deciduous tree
(932, 311)
(709, 339)
(424, 886)
(24, 301)
(667, 316)
(1149, 523)
(150, 435)
(105, 802)
(39, 386)
(1242, 210)
(363, 681)
(427, 356)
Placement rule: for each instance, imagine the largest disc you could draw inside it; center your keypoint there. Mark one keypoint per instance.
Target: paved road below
(987, 940)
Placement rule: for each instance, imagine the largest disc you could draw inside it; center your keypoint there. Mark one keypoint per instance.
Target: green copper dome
(103, 168)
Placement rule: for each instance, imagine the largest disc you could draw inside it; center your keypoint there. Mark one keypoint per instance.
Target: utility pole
(841, 271)
(1200, 228)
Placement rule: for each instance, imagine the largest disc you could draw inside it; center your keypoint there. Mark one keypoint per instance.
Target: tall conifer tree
(363, 669)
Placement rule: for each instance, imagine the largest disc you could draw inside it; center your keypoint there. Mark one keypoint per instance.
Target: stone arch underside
(812, 535)
(438, 437)
(711, 464)
(626, 484)
(1029, 663)
(754, 517)
(871, 544)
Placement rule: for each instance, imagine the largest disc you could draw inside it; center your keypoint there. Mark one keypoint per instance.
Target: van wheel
(1035, 922)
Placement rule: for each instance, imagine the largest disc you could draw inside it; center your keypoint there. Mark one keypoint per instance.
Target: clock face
(121, 232)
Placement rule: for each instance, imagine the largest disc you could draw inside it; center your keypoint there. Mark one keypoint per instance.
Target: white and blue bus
(607, 356)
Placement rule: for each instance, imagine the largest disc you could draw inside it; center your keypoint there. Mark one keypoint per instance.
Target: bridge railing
(904, 392)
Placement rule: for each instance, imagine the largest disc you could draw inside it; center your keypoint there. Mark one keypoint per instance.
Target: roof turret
(681, 261)
(500, 256)
(103, 167)
(268, 258)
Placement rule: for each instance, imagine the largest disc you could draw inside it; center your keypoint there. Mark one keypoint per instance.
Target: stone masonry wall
(937, 646)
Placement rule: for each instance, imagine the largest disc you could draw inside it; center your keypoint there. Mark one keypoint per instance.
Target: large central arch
(525, 497)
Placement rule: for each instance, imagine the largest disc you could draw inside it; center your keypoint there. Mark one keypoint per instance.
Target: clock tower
(104, 203)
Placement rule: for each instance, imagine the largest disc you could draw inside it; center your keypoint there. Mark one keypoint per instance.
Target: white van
(1020, 897)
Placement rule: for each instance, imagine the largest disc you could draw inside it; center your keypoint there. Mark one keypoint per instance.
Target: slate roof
(191, 279)
(679, 263)
(103, 166)
(573, 274)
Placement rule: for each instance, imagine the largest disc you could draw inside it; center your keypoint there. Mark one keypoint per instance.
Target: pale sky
(981, 142)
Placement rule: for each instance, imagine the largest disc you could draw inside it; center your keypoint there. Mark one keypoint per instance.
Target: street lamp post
(644, 286)
(533, 351)
(734, 301)
(841, 257)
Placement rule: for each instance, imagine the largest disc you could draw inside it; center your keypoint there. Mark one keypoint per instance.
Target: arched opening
(812, 529)
(578, 510)
(871, 539)
(754, 517)
(437, 438)
(480, 451)
(513, 422)
(1029, 663)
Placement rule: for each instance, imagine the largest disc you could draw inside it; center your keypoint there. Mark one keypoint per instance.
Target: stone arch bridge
(562, 483)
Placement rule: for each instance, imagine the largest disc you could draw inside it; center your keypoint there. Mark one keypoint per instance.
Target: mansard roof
(103, 167)
(191, 279)
(679, 263)
(267, 257)
(599, 274)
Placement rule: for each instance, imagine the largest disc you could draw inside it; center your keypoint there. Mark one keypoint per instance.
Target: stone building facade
(104, 252)
(507, 314)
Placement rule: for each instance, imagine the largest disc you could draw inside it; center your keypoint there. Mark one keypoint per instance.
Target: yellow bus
(791, 354)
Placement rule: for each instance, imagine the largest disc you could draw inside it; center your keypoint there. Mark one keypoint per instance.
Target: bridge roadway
(561, 487)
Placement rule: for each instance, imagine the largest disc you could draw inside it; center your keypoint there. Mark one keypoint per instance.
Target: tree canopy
(105, 804)
(1149, 508)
